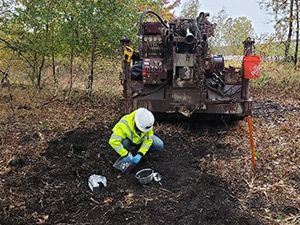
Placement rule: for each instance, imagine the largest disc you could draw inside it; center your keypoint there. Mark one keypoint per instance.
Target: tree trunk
(34, 71)
(39, 73)
(6, 80)
(53, 65)
(71, 74)
(91, 72)
(54, 74)
(31, 74)
(288, 42)
(297, 33)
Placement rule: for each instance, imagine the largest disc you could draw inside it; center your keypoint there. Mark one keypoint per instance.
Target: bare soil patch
(206, 170)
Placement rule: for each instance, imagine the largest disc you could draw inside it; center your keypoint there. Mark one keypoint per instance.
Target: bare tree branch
(16, 49)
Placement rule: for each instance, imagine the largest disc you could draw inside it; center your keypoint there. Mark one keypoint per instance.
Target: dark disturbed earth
(55, 191)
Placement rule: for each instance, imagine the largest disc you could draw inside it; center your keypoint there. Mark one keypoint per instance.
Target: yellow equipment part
(128, 52)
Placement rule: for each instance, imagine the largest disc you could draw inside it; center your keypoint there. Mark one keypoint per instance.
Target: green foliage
(286, 18)
(26, 34)
(230, 32)
(271, 48)
(190, 9)
(44, 29)
(280, 11)
(218, 39)
(239, 29)
(77, 24)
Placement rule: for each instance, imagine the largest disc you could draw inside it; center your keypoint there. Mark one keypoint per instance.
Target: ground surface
(206, 171)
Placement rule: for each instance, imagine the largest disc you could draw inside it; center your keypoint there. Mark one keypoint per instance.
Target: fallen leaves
(276, 139)
(41, 218)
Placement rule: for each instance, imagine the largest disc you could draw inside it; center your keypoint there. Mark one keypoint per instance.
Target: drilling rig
(173, 71)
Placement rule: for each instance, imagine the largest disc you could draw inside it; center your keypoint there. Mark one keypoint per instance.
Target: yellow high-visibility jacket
(125, 128)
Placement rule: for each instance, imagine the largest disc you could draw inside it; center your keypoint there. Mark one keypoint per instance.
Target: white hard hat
(144, 119)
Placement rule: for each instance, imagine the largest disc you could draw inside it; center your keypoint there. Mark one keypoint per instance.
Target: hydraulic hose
(141, 30)
(155, 90)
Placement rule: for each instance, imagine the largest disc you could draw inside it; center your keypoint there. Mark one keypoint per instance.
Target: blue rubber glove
(127, 158)
(136, 158)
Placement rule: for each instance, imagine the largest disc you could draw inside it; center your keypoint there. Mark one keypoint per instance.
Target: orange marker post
(252, 144)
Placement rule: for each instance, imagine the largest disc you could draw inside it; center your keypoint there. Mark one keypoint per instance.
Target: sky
(236, 8)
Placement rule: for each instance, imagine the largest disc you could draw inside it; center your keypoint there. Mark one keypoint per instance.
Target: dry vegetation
(29, 114)
(29, 121)
(273, 193)
(276, 79)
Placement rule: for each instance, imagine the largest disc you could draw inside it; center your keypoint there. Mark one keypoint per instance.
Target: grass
(279, 79)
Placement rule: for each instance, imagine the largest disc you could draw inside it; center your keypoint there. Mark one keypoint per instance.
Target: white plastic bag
(95, 183)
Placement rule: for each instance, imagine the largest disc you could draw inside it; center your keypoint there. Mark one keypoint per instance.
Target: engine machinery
(173, 71)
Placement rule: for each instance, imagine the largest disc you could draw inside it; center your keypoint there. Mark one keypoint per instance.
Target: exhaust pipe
(189, 37)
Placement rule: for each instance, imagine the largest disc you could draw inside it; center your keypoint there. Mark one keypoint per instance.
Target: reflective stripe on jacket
(125, 129)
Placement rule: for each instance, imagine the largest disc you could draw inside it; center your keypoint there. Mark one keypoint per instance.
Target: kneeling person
(135, 128)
